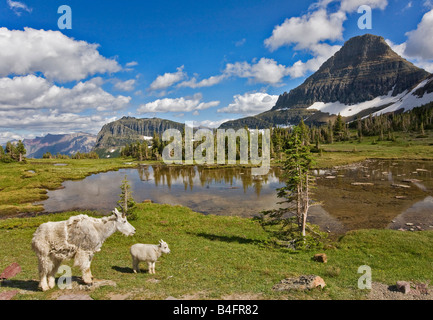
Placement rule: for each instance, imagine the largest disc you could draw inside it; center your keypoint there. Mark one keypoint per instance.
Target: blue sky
(202, 61)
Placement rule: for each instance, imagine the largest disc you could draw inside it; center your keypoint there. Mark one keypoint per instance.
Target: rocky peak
(363, 69)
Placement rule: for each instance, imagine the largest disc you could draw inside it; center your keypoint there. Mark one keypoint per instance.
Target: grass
(407, 146)
(215, 257)
(22, 184)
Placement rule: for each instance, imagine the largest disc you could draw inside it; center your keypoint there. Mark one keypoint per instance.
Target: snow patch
(405, 100)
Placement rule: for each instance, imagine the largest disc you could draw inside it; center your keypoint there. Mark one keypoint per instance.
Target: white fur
(147, 253)
(77, 238)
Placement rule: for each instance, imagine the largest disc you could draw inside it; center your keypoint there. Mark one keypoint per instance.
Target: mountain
(66, 144)
(113, 136)
(364, 77)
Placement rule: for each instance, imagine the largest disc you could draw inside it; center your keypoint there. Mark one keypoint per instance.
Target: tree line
(13, 152)
(78, 155)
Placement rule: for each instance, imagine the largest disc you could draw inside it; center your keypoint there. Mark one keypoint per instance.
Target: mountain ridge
(365, 69)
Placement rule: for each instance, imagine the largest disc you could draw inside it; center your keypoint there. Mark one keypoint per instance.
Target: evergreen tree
(21, 150)
(296, 193)
(126, 202)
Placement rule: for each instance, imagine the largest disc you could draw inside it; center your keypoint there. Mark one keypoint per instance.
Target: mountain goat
(148, 253)
(77, 238)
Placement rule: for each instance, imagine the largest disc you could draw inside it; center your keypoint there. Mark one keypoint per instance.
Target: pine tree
(126, 202)
(21, 150)
(296, 193)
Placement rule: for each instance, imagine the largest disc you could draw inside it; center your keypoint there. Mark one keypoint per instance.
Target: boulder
(321, 257)
(403, 286)
(10, 271)
(304, 282)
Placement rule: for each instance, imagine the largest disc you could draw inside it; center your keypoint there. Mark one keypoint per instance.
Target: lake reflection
(373, 194)
(222, 191)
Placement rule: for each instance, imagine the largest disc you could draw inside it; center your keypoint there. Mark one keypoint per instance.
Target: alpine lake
(374, 194)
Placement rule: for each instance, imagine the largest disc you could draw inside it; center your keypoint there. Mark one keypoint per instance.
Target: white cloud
(43, 122)
(168, 79)
(209, 82)
(418, 48)
(266, 71)
(18, 7)
(127, 85)
(308, 30)
(420, 41)
(56, 56)
(183, 104)
(9, 136)
(131, 64)
(353, 5)
(32, 92)
(210, 123)
(250, 103)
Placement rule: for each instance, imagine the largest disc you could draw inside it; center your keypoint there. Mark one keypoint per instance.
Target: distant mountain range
(364, 77)
(66, 144)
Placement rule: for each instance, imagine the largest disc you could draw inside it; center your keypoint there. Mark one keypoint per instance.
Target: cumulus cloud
(43, 122)
(9, 136)
(308, 30)
(250, 103)
(210, 123)
(56, 56)
(18, 7)
(353, 5)
(32, 92)
(183, 104)
(168, 79)
(418, 48)
(127, 85)
(266, 71)
(132, 64)
(209, 82)
(420, 41)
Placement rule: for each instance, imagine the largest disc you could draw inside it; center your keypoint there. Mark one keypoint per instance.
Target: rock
(321, 257)
(400, 197)
(411, 180)
(10, 271)
(74, 296)
(97, 284)
(403, 287)
(8, 295)
(330, 177)
(395, 185)
(147, 201)
(301, 283)
(171, 298)
(409, 224)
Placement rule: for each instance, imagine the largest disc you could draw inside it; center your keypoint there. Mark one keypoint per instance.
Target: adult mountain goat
(77, 238)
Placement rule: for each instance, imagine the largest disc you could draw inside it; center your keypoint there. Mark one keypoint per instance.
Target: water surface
(373, 194)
